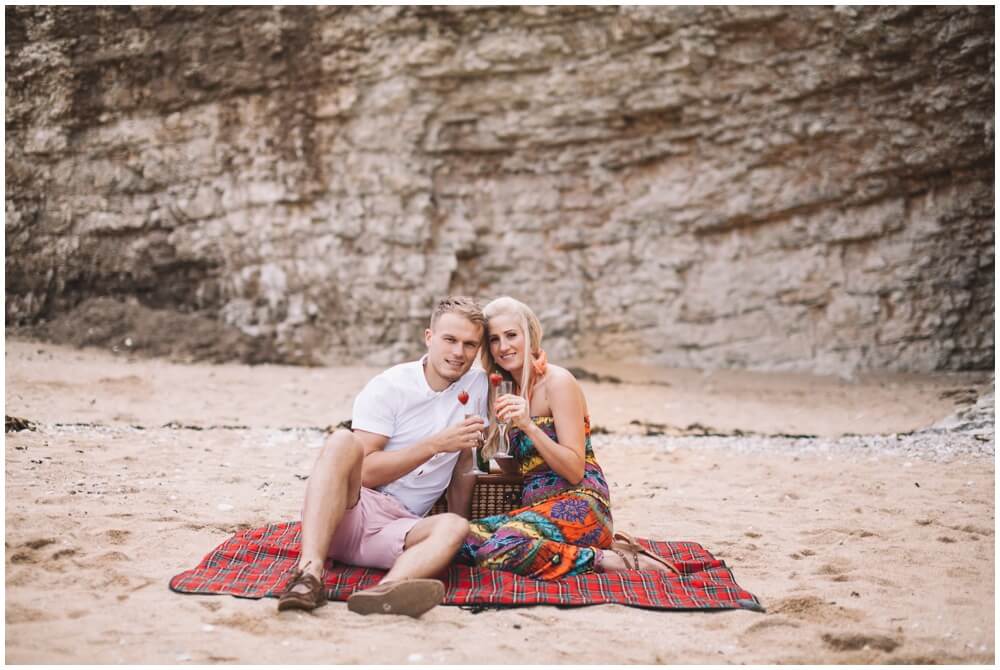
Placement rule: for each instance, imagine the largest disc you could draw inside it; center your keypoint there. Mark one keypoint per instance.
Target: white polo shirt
(399, 404)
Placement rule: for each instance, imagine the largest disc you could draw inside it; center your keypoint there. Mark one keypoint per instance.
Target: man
(371, 486)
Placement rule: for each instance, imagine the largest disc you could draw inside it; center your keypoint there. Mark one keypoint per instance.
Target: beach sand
(869, 541)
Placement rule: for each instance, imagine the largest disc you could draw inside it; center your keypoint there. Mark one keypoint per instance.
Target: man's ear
(428, 333)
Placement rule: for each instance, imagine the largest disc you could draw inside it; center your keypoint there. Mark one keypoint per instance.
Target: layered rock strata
(804, 188)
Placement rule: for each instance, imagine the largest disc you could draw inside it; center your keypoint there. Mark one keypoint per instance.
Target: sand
(871, 541)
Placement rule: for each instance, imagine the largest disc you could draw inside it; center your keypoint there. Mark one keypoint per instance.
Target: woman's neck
(516, 376)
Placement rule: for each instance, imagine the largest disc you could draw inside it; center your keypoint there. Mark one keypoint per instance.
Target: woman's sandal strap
(627, 539)
(621, 549)
(662, 561)
(636, 548)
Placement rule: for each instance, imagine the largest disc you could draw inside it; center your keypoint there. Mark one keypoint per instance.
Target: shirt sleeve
(374, 410)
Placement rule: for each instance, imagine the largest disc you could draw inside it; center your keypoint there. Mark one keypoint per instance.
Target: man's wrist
(433, 447)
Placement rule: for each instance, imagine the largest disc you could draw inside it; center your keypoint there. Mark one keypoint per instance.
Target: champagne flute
(475, 461)
(503, 448)
(463, 397)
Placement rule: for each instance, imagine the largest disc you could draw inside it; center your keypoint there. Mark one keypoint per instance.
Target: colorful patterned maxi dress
(560, 528)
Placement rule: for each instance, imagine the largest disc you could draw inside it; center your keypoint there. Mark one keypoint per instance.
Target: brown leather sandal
(314, 596)
(627, 541)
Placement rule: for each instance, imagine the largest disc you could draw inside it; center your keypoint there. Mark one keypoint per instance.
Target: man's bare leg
(429, 547)
(334, 487)
(406, 589)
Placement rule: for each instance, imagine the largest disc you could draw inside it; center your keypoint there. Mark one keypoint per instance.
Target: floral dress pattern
(560, 528)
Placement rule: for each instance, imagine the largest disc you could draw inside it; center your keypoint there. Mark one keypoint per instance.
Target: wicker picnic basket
(495, 493)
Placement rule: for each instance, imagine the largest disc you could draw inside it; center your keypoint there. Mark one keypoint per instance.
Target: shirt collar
(423, 377)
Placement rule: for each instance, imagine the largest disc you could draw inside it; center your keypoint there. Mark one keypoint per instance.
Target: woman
(564, 526)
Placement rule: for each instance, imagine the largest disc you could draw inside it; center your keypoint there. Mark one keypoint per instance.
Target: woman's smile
(506, 342)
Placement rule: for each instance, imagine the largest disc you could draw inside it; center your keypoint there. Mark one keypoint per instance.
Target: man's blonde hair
(463, 306)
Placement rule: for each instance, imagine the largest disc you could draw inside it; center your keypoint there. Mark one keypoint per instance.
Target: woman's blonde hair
(531, 327)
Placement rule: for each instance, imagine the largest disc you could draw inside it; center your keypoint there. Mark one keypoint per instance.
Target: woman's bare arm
(567, 456)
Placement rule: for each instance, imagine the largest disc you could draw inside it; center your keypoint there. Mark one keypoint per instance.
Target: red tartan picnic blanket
(256, 563)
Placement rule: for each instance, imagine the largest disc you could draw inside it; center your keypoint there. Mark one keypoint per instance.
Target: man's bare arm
(382, 467)
(459, 493)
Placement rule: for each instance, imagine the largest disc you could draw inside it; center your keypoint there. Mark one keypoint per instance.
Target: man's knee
(342, 445)
(453, 527)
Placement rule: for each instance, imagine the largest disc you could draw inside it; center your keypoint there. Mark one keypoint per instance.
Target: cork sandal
(314, 596)
(627, 541)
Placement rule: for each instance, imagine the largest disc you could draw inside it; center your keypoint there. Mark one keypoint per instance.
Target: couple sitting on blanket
(410, 441)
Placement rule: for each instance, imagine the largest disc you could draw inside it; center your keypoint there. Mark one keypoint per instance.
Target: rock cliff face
(777, 188)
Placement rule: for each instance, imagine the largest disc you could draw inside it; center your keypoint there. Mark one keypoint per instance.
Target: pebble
(224, 507)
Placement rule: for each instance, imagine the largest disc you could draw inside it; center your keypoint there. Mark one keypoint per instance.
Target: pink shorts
(372, 533)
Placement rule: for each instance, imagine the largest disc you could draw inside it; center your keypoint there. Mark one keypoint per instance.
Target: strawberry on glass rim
(463, 397)
(495, 379)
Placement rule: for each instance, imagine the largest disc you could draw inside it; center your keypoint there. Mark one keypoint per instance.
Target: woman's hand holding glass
(510, 410)
(513, 410)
